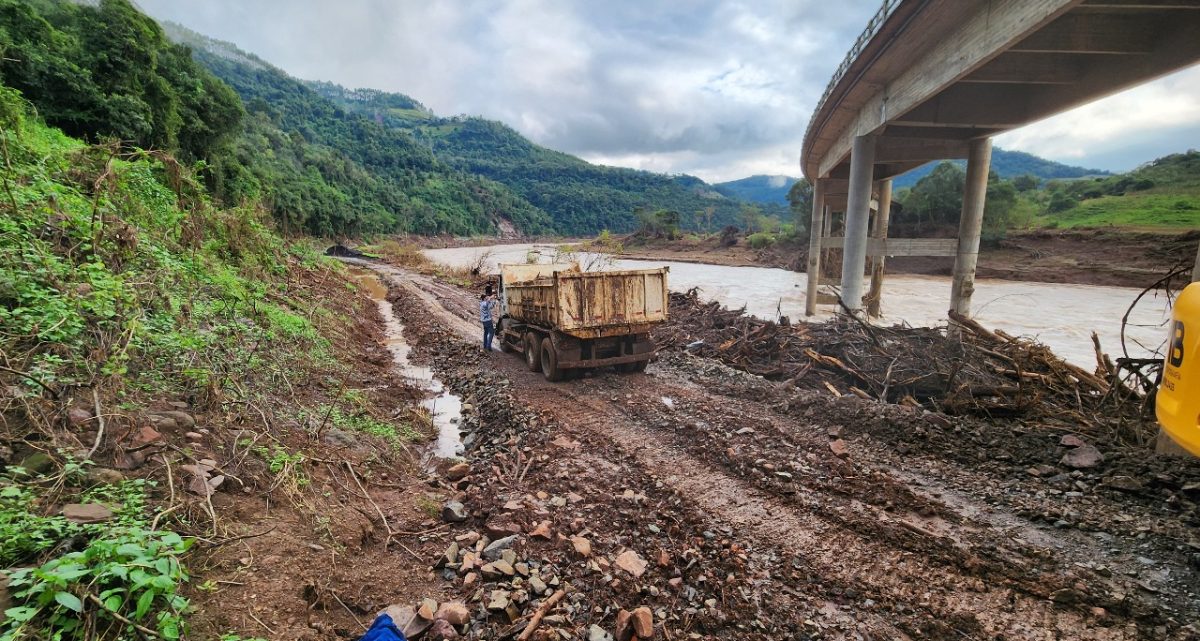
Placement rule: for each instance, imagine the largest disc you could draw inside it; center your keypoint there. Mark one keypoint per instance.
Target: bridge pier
(970, 225)
(858, 213)
(816, 229)
(882, 218)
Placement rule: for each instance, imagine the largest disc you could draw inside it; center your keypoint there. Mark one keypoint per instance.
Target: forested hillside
(108, 72)
(580, 196)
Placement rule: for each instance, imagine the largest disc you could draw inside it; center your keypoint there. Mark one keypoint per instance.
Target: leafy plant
(130, 577)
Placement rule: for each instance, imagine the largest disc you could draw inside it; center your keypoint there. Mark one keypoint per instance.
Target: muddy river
(1061, 316)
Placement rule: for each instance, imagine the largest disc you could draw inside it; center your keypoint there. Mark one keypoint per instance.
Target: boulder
(1083, 457)
(453, 612)
(839, 449)
(494, 549)
(631, 563)
(458, 472)
(583, 547)
(643, 622)
(86, 513)
(454, 512)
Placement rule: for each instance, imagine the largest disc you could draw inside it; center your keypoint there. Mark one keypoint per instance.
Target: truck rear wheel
(550, 362)
(533, 352)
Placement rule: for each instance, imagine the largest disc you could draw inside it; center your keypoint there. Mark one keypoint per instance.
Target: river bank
(1083, 257)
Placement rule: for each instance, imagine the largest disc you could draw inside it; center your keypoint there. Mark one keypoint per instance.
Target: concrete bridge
(936, 79)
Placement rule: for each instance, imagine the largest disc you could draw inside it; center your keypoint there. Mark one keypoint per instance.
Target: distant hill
(326, 170)
(580, 197)
(759, 189)
(1009, 164)
(1163, 193)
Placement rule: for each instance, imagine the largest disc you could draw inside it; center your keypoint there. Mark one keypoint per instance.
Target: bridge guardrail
(873, 27)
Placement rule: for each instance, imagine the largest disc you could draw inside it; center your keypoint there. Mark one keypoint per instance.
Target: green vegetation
(125, 571)
(1163, 194)
(581, 198)
(108, 71)
(120, 277)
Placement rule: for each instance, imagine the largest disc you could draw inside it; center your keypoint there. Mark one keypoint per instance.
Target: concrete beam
(858, 213)
(964, 105)
(970, 226)
(899, 150)
(1152, 5)
(1096, 33)
(816, 229)
(993, 27)
(882, 219)
(961, 134)
(1029, 69)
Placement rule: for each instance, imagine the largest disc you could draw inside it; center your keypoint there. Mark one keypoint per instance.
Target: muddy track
(879, 543)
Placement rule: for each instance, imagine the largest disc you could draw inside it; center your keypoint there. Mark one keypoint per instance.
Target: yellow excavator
(1178, 402)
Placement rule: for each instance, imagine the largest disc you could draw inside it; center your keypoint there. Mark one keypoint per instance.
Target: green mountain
(581, 197)
(759, 189)
(1163, 193)
(1009, 164)
(328, 170)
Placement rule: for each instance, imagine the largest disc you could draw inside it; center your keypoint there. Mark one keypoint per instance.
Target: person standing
(487, 316)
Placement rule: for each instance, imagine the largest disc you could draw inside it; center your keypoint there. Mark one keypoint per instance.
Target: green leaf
(69, 601)
(143, 604)
(114, 602)
(21, 614)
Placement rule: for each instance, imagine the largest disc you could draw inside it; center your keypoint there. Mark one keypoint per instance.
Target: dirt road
(733, 507)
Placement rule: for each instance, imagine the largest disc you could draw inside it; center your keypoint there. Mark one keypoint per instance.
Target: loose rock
(454, 512)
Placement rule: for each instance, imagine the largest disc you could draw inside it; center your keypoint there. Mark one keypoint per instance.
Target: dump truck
(1177, 404)
(565, 320)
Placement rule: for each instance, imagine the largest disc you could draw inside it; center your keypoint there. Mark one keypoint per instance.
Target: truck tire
(533, 351)
(502, 336)
(550, 362)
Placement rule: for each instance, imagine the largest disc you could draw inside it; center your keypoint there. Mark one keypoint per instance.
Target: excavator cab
(1177, 404)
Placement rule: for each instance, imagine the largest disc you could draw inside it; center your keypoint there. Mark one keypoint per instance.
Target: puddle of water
(444, 408)
(1061, 316)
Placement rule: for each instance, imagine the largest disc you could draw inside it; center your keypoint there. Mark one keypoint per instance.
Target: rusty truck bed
(586, 304)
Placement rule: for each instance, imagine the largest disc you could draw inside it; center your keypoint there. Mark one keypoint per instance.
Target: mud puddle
(445, 408)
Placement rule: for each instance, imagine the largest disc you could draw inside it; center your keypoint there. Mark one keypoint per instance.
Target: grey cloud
(717, 88)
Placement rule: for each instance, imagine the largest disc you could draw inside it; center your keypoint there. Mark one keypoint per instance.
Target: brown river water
(1062, 316)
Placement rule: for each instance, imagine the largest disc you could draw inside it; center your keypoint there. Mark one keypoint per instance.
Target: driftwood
(971, 370)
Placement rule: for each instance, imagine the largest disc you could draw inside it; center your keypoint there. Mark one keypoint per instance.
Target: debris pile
(971, 370)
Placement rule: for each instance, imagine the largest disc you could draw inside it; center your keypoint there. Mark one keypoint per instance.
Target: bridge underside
(943, 76)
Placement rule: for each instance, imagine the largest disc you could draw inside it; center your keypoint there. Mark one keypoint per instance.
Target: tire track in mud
(952, 602)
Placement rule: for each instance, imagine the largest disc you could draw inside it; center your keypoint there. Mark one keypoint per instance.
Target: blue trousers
(489, 332)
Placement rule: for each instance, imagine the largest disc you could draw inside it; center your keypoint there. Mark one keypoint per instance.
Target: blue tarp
(383, 629)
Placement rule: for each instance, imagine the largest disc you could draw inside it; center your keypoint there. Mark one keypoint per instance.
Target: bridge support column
(979, 160)
(858, 214)
(816, 229)
(882, 217)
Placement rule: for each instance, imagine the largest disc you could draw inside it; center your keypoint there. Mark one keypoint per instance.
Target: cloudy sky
(720, 89)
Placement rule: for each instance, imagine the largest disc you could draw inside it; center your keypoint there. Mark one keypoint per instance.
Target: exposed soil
(765, 511)
(1087, 256)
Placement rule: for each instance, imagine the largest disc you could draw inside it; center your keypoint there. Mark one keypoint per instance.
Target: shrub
(761, 240)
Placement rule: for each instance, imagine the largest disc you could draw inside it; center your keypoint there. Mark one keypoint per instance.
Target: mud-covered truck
(565, 320)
